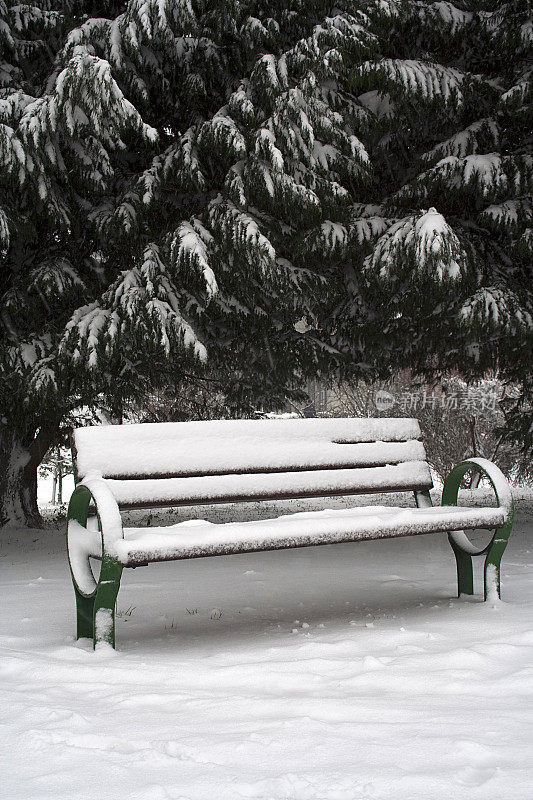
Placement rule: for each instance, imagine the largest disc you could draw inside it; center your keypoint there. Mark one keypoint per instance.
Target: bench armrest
(84, 543)
(107, 509)
(463, 548)
(498, 481)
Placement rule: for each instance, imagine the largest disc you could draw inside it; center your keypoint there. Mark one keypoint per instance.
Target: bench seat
(198, 538)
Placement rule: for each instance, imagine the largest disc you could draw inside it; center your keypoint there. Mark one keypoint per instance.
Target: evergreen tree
(273, 189)
(441, 252)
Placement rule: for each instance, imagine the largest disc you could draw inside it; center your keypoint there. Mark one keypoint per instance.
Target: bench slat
(222, 447)
(408, 476)
(332, 457)
(199, 538)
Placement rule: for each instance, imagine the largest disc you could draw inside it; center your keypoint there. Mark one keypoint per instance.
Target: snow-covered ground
(345, 672)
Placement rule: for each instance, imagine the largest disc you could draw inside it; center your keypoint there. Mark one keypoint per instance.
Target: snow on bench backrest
(246, 455)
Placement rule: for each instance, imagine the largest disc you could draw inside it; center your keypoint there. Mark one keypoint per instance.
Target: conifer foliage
(447, 259)
(268, 189)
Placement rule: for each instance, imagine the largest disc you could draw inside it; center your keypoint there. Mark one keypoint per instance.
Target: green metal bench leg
(104, 605)
(494, 551)
(465, 575)
(493, 559)
(95, 611)
(78, 510)
(84, 615)
(465, 570)
(491, 576)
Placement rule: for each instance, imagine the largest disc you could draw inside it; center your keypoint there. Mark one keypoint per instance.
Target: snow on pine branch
(306, 139)
(166, 307)
(420, 80)
(481, 136)
(133, 41)
(510, 215)
(84, 115)
(332, 40)
(334, 240)
(269, 76)
(265, 147)
(443, 14)
(85, 330)
(159, 17)
(367, 223)
(520, 93)
(92, 162)
(239, 232)
(30, 353)
(34, 361)
(523, 246)
(87, 95)
(260, 32)
(234, 185)
(188, 252)
(53, 278)
(379, 103)
(301, 152)
(240, 105)
(172, 326)
(329, 240)
(143, 300)
(12, 156)
(280, 192)
(25, 18)
(313, 59)
(304, 280)
(510, 30)
(221, 135)
(12, 106)
(426, 244)
(179, 165)
(5, 234)
(440, 17)
(181, 161)
(498, 308)
(488, 176)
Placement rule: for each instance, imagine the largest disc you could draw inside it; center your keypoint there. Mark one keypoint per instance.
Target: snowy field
(346, 672)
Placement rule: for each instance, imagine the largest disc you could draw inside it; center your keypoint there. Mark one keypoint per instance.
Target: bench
(120, 467)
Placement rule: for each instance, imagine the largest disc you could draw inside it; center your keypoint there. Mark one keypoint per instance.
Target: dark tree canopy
(261, 190)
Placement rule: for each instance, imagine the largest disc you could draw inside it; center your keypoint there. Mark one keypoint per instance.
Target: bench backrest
(180, 463)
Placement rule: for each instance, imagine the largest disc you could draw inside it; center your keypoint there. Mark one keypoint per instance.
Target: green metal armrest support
(95, 600)
(462, 547)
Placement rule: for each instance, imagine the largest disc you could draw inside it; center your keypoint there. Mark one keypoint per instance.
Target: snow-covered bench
(191, 463)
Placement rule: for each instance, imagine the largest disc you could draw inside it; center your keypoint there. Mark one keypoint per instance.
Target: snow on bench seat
(197, 538)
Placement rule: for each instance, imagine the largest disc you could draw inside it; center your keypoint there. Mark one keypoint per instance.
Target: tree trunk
(59, 484)
(54, 485)
(18, 477)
